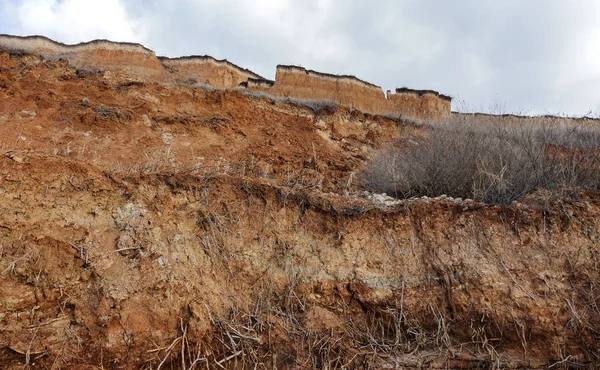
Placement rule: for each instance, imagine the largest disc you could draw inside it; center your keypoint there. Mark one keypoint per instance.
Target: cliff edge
(293, 82)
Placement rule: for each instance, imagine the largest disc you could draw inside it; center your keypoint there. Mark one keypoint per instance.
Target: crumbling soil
(153, 226)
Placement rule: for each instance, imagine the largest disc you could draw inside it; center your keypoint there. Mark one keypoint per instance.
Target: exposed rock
(26, 114)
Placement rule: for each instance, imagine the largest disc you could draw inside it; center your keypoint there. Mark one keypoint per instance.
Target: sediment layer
(290, 81)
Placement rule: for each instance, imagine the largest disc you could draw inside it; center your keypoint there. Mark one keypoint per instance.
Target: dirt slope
(153, 226)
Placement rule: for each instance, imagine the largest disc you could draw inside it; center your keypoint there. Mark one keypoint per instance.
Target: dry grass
(317, 106)
(167, 161)
(271, 335)
(493, 163)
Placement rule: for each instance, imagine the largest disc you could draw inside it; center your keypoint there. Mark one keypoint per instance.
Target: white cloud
(74, 21)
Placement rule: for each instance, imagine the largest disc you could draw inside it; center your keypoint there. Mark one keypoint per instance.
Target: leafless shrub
(164, 160)
(317, 106)
(192, 83)
(109, 112)
(490, 163)
(205, 87)
(257, 94)
(216, 122)
(83, 72)
(130, 84)
(250, 167)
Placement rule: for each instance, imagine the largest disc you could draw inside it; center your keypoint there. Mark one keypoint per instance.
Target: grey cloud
(535, 56)
(7, 19)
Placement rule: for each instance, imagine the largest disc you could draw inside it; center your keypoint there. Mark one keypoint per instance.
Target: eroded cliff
(290, 81)
(207, 70)
(297, 82)
(155, 226)
(95, 55)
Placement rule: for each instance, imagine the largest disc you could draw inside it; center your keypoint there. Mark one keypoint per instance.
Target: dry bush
(493, 163)
(317, 106)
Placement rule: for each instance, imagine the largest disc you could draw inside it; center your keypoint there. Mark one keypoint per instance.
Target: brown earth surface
(146, 226)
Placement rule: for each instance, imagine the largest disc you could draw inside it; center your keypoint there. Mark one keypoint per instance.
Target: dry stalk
(516, 282)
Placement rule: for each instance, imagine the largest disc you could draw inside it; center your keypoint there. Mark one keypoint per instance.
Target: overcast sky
(520, 56)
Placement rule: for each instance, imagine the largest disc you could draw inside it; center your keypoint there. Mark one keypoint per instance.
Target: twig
(45, 323)
(560, 362)
(515, 281)
(197, 360)
(25, 353)
(236, 333)
(157, 349)
(184, 338)
(126, 249)
(573, 310)
(229, 358)
(82, 252)
(169, 352)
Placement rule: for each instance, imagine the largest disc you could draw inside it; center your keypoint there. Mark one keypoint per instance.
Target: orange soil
(146, 225)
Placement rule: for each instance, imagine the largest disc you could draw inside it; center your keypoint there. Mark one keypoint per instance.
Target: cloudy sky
(500, 56)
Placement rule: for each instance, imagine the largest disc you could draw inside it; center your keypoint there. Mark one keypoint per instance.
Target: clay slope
(152, 226)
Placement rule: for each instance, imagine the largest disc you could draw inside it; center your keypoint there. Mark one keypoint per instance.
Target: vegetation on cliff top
(493, 163)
